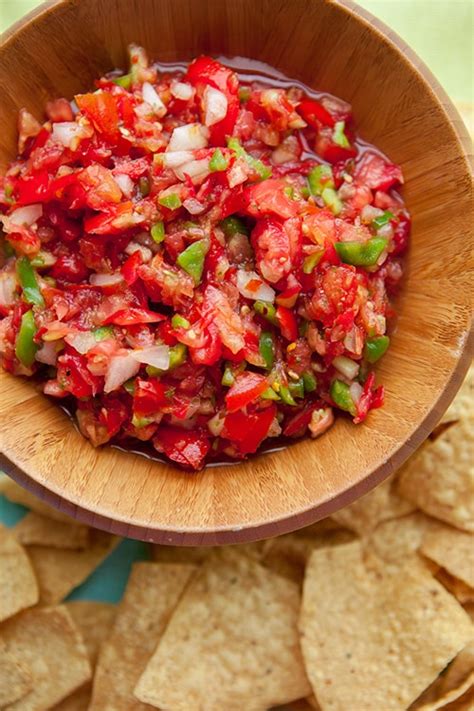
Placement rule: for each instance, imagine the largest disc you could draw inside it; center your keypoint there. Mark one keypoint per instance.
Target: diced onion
(215, 106)
(193, 206)
(145, 252)
(8, 285)
(125, 184)
(65, 131)
(151, 96)
(157, 356)
(26, 216)
(176, 158)
(355, 391)
(48, 353)
(238, 174)
(81, 341)
(188, 138)
(216, 424)
(105, 279)
(369, 213)
(197, 170)
(346, 366)
(121, 368)
(181, 90)
(251, 286)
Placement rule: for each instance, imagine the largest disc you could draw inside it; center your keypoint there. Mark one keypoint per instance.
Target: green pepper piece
(320, 177)
(233, 226)
(312, 261)
(218, 162)
(341, 396)
(244, 93)
(382, 220)
(228, 378)
(129, 386)
(192, 259)
(29, 282)
(266, 310)
(158, 232)
(267, 348)
(139, 422)
(180, 322)
(103, 332)
(310, 382)
(125, 81)
(361, 254)
(144, 186)
(375, 348)
(178, 355)
(296, 387)
(286, 395)
(338, 135)
(269, 394)
(263, 171)
(289, 192)
(25, 346)
(305, 192)
(332, 200)
(172, 201)
(153, 372)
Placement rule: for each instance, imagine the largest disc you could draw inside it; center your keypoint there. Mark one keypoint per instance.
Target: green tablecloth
(440, 31)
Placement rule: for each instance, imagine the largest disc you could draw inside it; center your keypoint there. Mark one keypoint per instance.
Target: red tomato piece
(32, 189)
(370, 399)
(315, 114)
(129, 268)
(297, 425)
(70, 267)
(247, 431)
(288, 323)
(150, 396)
(269, 198)
(74, 376)
(185, 447)
(247, 388)
(331, 151)
(130, 316)
(377, 173)
(101, 109)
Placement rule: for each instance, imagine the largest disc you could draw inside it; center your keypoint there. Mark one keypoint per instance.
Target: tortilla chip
(231, 644)
(462, 406)
(60, 571)
(365, 630)
(451, 696)
(453, 550)
(439, 477)
(152, 593)
(396, 541)
(78, 701)
(195, 555)
(94, 619)
(18, 585)
(50, 646)
(37, 530)
(17, 495)
(15, 679)
(464, 593)
(381, 504)
(452, 679)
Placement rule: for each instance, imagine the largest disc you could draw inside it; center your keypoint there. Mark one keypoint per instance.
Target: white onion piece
(176, 158)
(369, 213)
(283, 154)
(215, 105)
(355, 392)
(151, 97)
(251, 286)
(157, 356)
(182, 90)
(193, 206)
(122, 367)
(197, 170)
(25, 216)
(125, 184)
(145, 252)
(346, 366)
(65, 131)
(216, 424)
(238, 174)
(81, 341)
(48, 353)
(8, 285)
(188, 138)
(105, 279)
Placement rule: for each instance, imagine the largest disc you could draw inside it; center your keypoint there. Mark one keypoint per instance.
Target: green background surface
(441, 32)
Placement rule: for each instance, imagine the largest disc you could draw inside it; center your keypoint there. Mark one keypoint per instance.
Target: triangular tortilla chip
(15, 679)
(37, 530)
(94, 619)
(231, 644)
(395, 541)
(452, 550)
(18, 586)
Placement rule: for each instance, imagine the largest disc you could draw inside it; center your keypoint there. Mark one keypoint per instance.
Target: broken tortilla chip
(447, 699)
(15, 679)
(37, 530)
(439, 477)
(94, 619)
(464, 593)
(60, 571)
(232, 642)
(453, 550)
(152, 593)
(47, 642)
(395, 541)
(359, 626)
(18, 585)
(18, 495)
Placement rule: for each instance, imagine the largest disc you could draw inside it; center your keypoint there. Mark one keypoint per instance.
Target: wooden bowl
(398, 105)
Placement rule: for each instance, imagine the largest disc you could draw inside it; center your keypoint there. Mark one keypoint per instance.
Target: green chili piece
(180, 322)
(382, 220)
(103, 332)
(375, 348)
(125, 81)
(192, 259)
(228, 378)
(320, 177)
(312, 261)
(172, 201)
(144, 186)
(286, 395)
(263, 171)
(338, 135)
(129, 386)
(29, 282)
(153, 372)
(244, 93)
(296, 387)
(361, 254)
(158, 232)
(178, 355)
(289, 191)
(269, 394)
(25, 346)
(266, 310)
(139, 422)
(267, 348)
(332, 200)
(218, 162)
(233, 226)
(310, 382)
(341, 396)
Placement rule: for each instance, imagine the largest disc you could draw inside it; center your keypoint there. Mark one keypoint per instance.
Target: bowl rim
(304, 518)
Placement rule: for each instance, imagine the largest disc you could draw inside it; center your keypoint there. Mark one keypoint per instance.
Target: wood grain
(399, 106)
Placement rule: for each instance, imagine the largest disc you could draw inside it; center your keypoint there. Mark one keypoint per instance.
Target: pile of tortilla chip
(371, 609)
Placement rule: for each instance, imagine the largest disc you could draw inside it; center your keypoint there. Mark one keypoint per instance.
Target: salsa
(199, 259)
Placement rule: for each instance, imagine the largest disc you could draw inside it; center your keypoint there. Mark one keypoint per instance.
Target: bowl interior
(332, 47)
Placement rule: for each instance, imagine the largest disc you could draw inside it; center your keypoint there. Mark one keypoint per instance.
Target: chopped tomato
(188, 448)
(131, 315)
(247, 431)
(315, 114)
(74, 377)
(377, 173)
(247, 388)
(101, 109)
(270, 198)
(287, 322)
(150, 396)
